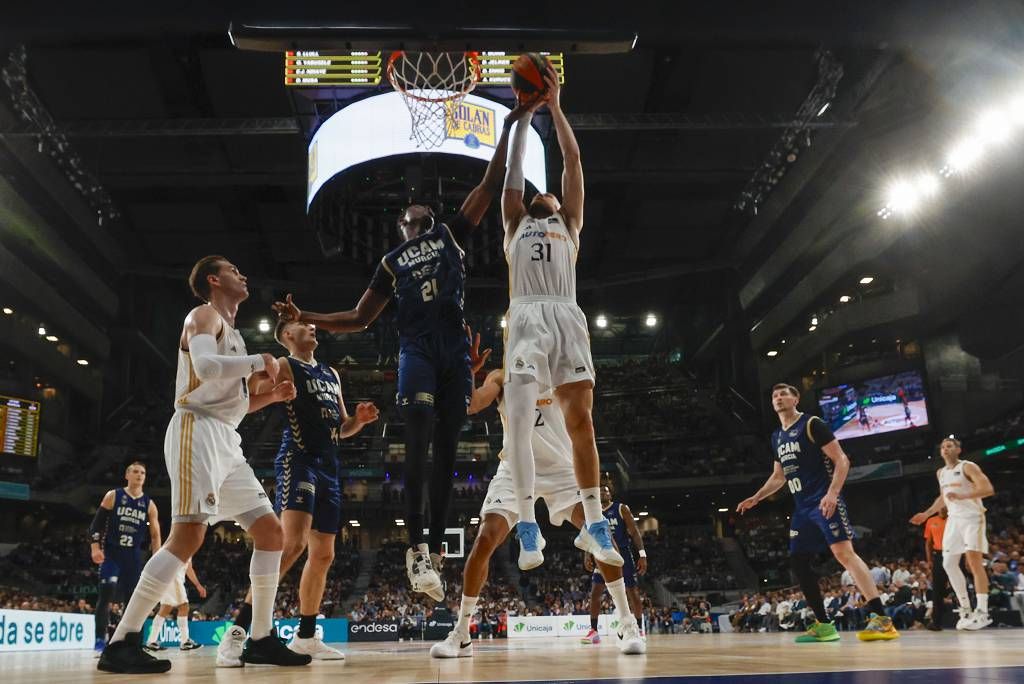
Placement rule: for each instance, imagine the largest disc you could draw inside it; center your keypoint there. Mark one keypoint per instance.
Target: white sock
(592, 510)
(156, 576)
(183, 629)
(466, 611)
(983, 603)
(951, 564)
(617, 589)
(264, 573)
(520, 407)
(154, 630)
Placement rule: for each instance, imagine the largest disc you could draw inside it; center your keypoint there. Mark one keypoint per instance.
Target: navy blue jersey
(314, 415)
(808, 470)
(127, 526)
(426, 275)
(620, 534)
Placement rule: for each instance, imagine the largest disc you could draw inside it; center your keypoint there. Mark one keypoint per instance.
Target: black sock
(876, 607)
(450, 419)
(419, 433)
(307, 626)
(244, 619)
(593, 623)
(808, 581)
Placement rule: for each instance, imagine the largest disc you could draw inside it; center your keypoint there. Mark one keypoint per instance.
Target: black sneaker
(127, 657)
(270, 650)
(934, 627)
(190, 646)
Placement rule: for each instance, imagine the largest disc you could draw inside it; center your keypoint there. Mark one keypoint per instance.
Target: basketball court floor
(989, 656)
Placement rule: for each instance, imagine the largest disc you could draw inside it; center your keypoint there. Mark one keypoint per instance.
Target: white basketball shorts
(558, 490)
(964, 534)
(547, 338)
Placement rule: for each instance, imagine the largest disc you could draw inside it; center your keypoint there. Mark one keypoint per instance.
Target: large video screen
(875, 406)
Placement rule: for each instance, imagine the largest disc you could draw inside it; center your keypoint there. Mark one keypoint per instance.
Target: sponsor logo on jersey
(580, 369)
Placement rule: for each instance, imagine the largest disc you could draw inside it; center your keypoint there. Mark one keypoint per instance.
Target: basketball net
(433, 86)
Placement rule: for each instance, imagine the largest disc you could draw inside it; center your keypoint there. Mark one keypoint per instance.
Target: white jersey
(542, 260)
(226, 400)
(954, 480)
(552, 448)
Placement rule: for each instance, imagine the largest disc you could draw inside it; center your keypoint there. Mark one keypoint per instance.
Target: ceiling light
(83, 362)
(42, 330)
(51, 338)
(993, 127)
(964, 154)
(503, 323)
(823, 109)
(812, 328)
(902, 196)
(643, 513)
(601, 321)
(723, 510)
(651, 320)
(772, 353)
(264, 325)
(8, 311)
(927, 185)
(844, 299)
(867, 280)
(814, 320)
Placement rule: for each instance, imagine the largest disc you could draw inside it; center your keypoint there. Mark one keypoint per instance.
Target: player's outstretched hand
(477, 358)
(919, 519)
(828, 504)
(284, 391)
(270, 366)
(97, 556)
(554, 88)
(746, 505)
(287, 310)
(367, 412)
(202, 591)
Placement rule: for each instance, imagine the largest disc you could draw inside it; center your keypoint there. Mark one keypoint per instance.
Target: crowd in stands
(693, 617)
(688, 562)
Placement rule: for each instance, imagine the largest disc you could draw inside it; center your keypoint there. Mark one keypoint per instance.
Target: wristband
(643, 553)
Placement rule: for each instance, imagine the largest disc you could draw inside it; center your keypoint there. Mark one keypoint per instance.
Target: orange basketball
(528, 77)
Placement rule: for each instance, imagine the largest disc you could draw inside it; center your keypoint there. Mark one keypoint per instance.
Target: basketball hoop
(432, 86)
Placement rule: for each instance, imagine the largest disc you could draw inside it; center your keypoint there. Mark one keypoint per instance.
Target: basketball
(528, 77)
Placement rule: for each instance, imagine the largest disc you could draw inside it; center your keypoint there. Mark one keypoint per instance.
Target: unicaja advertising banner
(35, 630)
(378, 630)
(210, 633)
(558, 626)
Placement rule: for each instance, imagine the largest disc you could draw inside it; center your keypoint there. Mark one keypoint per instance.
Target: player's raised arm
(512, 207)
(572, 173)
(480, 197)
(358, 319)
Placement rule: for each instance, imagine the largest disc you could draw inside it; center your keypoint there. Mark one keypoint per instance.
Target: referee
(933, 530)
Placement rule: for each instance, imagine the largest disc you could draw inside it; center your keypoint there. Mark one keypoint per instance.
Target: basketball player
(116, 533)
(426, 275)
(548, 343)
(962, 486)
(811, 461)
(210, 479)
(308, 486)
(627, 536)
(176, 598)
(556, 484)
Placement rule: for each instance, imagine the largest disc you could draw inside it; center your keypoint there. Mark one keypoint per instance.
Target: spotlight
(353, 523)
(964, 154)
(814, 320)
(726, 510)
(903, 196)
(927, 185)
(867, 280)
(993, 127)
(1017, 109)
(83, 362)
(474, 520)
(8, 311)
(651, 320)
(772, 353)
(844, 299)
(823, 109)
(51, 338)
(42, 330)
(601, 321)
(643, 513)
(264, 325)
(812, 328)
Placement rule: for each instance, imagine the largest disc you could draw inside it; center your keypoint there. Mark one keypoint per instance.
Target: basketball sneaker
(97, 649)
(315, 648)
(422, 576)
(229, 650)
(455, 645)
(128, 657)
(190, 646)
(630, 641)
(879, 628)
(965, 618)
(596, 540)
(154, 646)
(592, 637)
(819, 631)
(978, 620)
(531, 545)
(271, 650)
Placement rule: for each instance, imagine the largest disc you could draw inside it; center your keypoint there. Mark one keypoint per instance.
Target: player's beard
(539, 210)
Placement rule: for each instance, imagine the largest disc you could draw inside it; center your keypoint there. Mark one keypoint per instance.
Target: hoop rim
(476, 71)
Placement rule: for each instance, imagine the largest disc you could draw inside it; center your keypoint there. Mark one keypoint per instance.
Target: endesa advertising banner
(36, 630)
(378, 630)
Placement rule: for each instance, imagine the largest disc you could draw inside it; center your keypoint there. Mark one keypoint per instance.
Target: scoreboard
(19, 422)
(313, 68)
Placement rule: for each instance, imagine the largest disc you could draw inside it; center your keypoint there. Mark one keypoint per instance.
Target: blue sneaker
(531, 544)
(597, 541)
(98, 647)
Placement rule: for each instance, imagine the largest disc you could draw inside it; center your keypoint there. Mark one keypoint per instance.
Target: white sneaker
(965, 618)
(630, 641)
(456, 645)
(585, 541)
(229, 651)
(422, 576)
(978, 620)
(316, 648)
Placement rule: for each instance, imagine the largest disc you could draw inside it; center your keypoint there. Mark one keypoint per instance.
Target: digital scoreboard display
(19, 421)
(315, 68)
